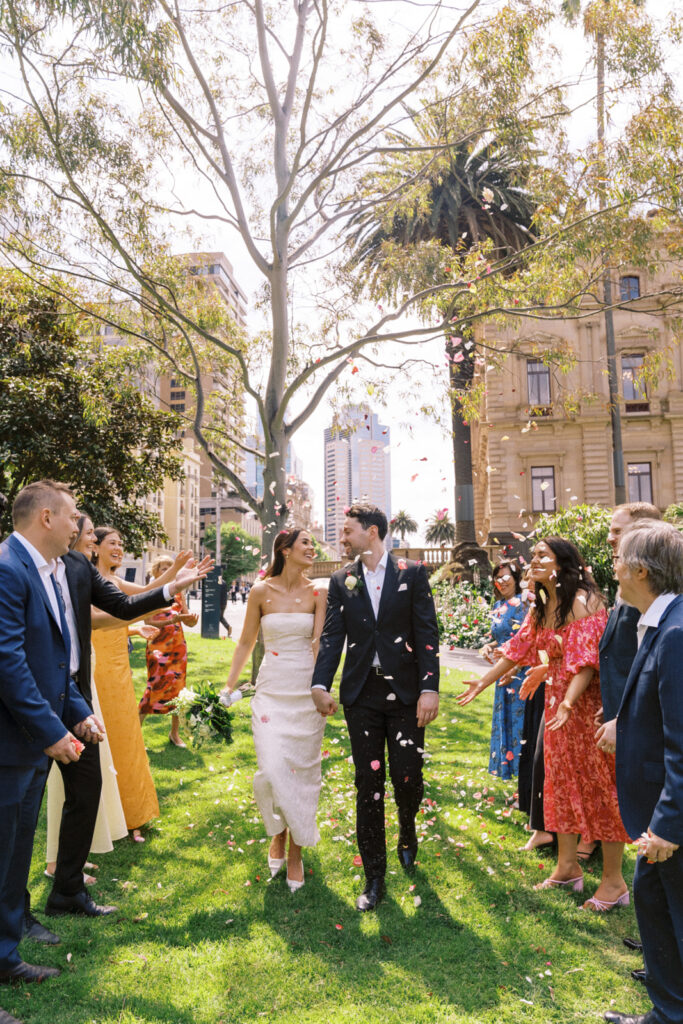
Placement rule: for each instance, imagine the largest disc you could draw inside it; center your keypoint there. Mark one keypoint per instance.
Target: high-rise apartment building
(357, 466)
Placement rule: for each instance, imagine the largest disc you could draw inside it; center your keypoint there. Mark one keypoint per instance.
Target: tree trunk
(460, 378)
(612, 370)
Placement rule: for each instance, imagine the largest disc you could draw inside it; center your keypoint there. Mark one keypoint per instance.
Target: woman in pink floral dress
(560, 635)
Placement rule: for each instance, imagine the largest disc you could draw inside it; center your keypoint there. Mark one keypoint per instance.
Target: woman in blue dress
(508, 710)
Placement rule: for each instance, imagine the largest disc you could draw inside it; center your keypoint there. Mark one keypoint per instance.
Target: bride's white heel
(293, 884)
(275, 864)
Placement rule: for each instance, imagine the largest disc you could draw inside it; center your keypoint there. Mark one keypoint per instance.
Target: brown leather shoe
(27, 972)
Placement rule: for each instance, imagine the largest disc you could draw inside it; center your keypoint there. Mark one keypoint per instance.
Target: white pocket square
(403, 586)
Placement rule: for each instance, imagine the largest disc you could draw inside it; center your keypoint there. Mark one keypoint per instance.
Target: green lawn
(203, 936)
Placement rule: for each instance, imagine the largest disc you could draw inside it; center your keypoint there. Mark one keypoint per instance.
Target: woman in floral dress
(508, 709)
(166, 657)
(560, 635)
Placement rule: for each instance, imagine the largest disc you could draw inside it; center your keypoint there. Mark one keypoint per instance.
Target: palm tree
(403, 524)
(441, 529)
(571, 9)
(475, 193)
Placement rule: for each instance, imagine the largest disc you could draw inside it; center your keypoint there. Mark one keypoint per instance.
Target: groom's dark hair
(369, 515)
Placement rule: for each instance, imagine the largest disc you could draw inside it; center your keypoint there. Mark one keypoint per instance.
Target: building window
(640, 481)
(542, 489)
(635, 394)
(177, 407)
(177, 396)
(629, 288)
(538, 383)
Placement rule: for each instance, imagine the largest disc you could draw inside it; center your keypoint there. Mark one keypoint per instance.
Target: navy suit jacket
(618, 647)
(650, 733)
(405, 634)
(38, 699)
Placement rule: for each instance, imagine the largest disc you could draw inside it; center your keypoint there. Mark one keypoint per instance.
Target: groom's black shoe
(371, 894)
(407, 850)
(80, 903)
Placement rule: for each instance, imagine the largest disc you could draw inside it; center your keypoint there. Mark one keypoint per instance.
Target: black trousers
(533, 712)
(378, 720)
(658, 898)
(82, 788)
(536, 817)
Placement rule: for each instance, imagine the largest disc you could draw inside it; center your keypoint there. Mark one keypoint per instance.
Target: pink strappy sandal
(576, 883)
(602, 906)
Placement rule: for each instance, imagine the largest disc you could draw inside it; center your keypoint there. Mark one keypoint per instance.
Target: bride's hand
(324, 701)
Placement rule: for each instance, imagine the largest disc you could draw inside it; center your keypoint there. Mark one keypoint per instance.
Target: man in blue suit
(42, 714)
(649, 762)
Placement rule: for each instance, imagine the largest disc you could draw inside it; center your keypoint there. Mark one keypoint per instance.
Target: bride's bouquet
(203, 715)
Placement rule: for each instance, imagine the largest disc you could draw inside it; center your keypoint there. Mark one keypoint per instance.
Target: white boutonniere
(353, 582)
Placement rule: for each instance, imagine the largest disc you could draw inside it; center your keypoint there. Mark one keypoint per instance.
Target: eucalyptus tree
(597, 25)
(131, 130)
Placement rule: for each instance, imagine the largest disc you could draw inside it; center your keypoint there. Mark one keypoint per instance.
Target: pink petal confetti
(265, 718)
(375, 766)
(339, 927)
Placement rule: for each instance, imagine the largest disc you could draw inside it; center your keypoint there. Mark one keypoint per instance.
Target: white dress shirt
(57, 568)
(654, 613)
(374, 581)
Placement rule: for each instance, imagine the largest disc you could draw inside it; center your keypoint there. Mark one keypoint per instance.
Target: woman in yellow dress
(114, 682)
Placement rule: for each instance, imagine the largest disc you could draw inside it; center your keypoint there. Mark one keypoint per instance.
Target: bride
(287, 729)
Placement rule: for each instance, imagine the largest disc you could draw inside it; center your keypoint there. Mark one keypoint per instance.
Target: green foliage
(69, 413)
(586, 526)
(320, 553)
(240, 552)
(674, 515)
(463, 613)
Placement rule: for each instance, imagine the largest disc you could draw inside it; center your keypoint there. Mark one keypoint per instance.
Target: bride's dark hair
(100, 533)
(284, 540)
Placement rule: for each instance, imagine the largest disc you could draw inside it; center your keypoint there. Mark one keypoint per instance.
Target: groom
(383, 607)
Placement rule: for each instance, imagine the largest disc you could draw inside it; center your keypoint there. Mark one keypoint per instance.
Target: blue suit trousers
(21, 793)
(658, 897)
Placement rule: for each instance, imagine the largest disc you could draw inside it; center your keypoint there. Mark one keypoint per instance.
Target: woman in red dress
(166, 657)
(560, 635)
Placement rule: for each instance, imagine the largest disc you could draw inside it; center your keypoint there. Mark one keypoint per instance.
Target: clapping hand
(192, 574)
(188, 618)
(564, 710)
(534, 677)
(147, 631)
(475, 687)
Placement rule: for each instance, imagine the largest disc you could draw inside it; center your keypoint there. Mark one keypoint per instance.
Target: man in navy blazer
(41, 711)
(618, 643)
(649, 759)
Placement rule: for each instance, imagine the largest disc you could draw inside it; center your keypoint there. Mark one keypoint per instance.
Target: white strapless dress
(287, 729)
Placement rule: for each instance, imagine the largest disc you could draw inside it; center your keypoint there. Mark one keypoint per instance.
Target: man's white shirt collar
(41, 563)
(382, 564)
(653, 615)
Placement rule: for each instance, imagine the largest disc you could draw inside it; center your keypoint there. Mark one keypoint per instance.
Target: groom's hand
(324, 701)
(427, 708)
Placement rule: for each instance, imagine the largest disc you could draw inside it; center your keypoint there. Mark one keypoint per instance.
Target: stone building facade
(543, 441)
